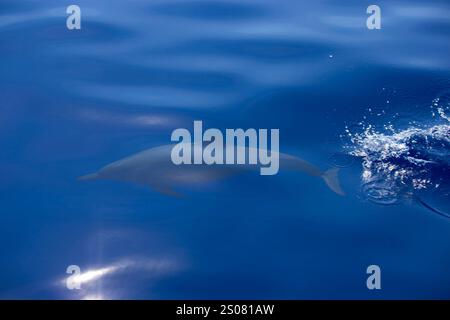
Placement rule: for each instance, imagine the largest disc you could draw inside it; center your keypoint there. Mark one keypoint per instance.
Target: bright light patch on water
(92, 275)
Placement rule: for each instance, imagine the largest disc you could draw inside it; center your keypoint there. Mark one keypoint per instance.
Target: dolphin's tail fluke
(331, 179)
(91, 176)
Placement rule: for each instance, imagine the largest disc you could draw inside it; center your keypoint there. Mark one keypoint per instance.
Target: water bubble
(380, 192)
(442, 105)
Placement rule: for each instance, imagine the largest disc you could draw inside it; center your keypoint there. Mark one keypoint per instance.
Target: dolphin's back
(288, 162)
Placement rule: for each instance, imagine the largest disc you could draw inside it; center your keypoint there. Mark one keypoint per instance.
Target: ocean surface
(373, 103)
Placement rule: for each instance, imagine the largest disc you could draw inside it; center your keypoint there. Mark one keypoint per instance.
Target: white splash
(396, 162)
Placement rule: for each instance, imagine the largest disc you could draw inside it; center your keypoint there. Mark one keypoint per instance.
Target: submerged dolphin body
(153, 167)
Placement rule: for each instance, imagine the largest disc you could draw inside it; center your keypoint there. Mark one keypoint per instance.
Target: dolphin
(153, 167)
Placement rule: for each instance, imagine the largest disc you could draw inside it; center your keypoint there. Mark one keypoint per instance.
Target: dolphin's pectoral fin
(166, 190)
(426, 205)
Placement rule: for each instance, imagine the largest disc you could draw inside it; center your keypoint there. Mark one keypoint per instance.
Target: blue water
(73, 101)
